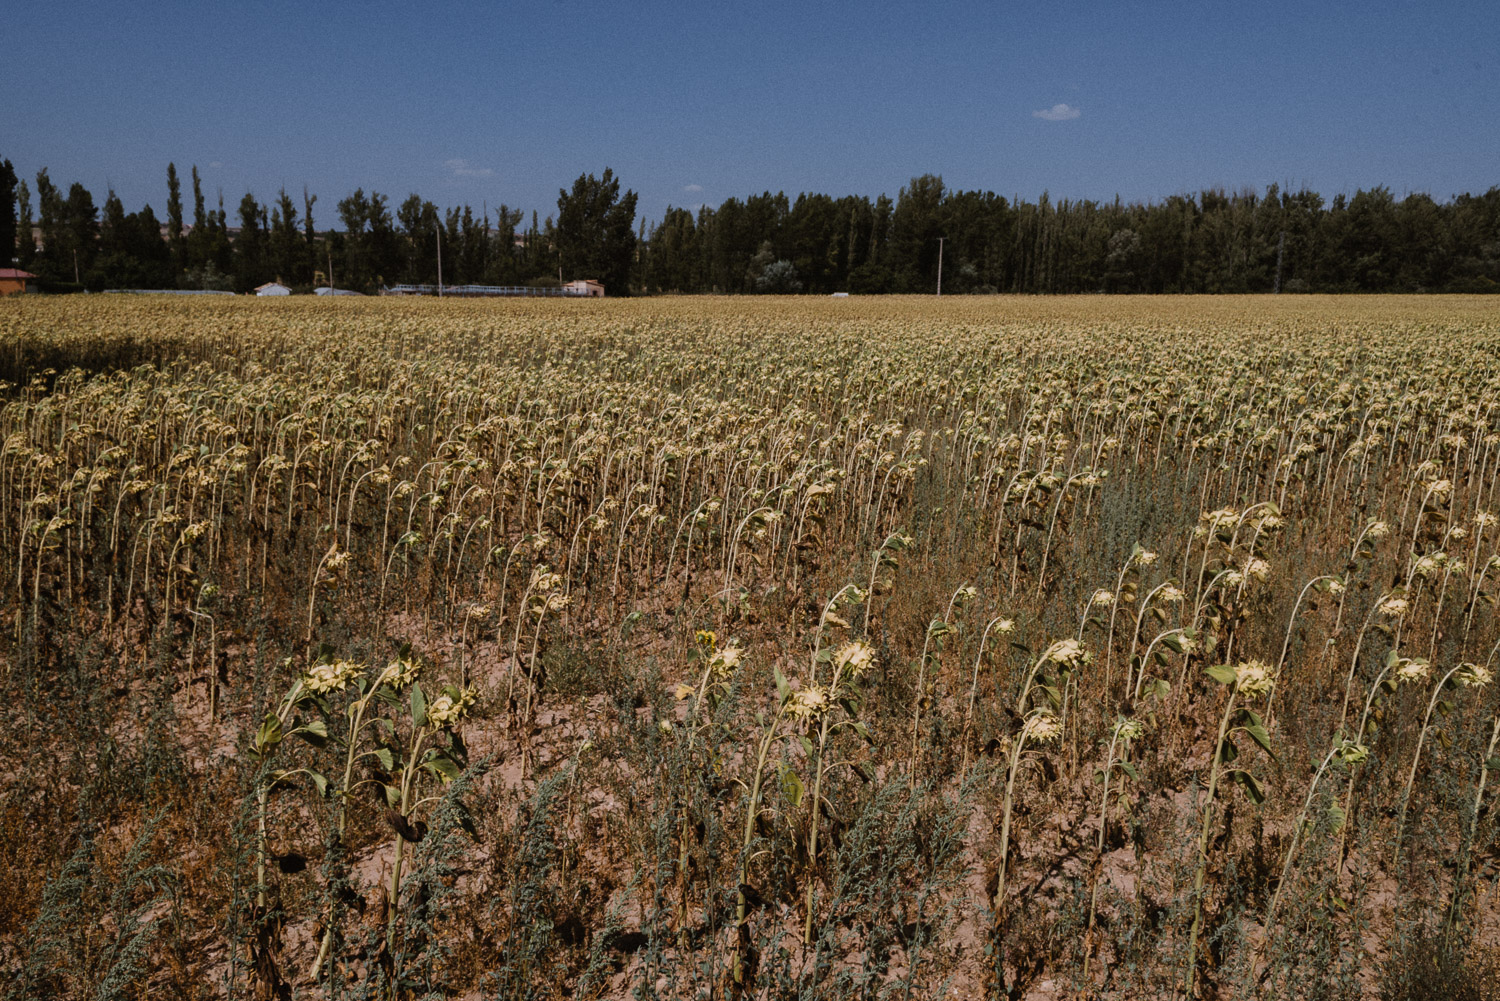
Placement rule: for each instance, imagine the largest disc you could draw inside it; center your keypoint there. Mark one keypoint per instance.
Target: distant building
(164, 291)
(573, 290)
(325, 290)
(14, 281)
(272, 288)
(586, 286)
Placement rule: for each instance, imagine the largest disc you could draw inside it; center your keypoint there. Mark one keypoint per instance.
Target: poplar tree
(25, 241)
(174, 219)
(7, 212)
(596, 231)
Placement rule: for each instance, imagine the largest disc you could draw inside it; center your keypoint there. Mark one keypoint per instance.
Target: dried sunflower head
(1042, 726)
(808, 703)
(855, 656)
(1253, 678)
(1473, 676)
(323, 678)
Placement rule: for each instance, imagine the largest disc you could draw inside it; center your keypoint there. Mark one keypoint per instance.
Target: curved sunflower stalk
(1293, 464)
(155, 518)
(186, 542)
(1039, 724)
(206, 594)
(543, 593)
(1089, 479)
(1364, 549)
(1224, 526)
(1216, 621)
(887, 557)
(1441, 489)
(544, 600)
(379, 476)
(937, 630)
(1004, 498)
(474, 610)
(400, 674)
(1166, 593)
(1477, 594)
(699, 515)
(309, 691)
(482, 523)
(1253, 569)
(850, 663)
(396, 489)
(594, 526)
(451, 524)
(1349, 754)
(1396, 671)
(790, 703)
(1489, 762)
(1092, 612)
(533, 546)
(757, 522)
(1140, 558)
(1003, 627)
(810, 524)
(1044, 482)
(1246, 681)
(328, 573)
(404, 547)
(647, 513)
(1451, 565)
(898, 484)
(903, 468)
(1393, 605)
(1179, 640)
(1063, 656)
(1327, 583)
(719, 665)
(51, 535)
(1459, 676)
(423, 759)
(1120, 735)
(399, 764)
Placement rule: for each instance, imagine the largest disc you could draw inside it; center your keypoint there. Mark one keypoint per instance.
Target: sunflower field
(982, 647)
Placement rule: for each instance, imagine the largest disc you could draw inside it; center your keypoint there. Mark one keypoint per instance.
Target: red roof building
(14, 280)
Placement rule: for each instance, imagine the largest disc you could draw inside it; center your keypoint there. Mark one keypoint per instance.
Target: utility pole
(440, 257)
(940, 265)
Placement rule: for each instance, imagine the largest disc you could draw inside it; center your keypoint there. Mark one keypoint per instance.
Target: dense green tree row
(65, 239)
(1215, 241)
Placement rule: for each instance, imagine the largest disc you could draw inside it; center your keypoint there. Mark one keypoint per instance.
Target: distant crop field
(750, 648)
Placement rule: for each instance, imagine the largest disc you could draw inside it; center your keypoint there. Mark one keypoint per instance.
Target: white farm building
(586, 287)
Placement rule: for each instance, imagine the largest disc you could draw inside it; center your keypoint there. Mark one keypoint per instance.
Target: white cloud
(462, 168)
(216, 165)
(693, 189)
(1057, 113)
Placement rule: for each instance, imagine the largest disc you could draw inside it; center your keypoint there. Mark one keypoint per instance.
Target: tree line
(973, 241)
(1215, 241)
(71, 244)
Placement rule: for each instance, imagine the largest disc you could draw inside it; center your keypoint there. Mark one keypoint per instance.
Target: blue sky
(692, 103)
